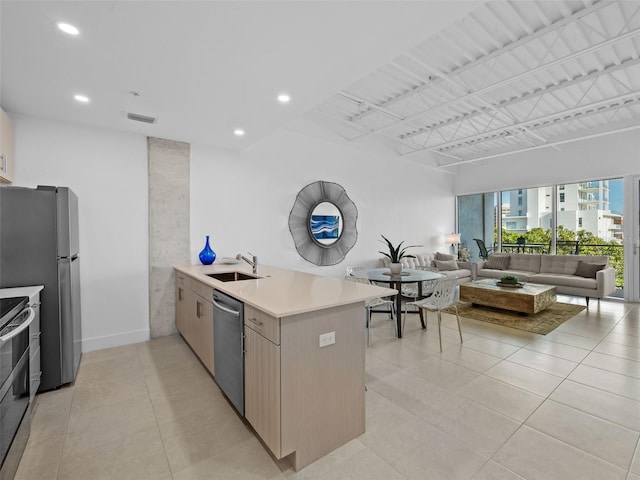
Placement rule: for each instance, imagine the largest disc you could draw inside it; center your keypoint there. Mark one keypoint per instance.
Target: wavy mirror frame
(299, 223)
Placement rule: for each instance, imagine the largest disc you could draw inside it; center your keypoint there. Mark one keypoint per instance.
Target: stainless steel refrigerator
(39, 246)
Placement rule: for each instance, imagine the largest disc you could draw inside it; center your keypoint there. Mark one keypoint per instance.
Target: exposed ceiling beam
(515, 78)
(558, 142)
(499, 51)
(547, 90)
(595, 107)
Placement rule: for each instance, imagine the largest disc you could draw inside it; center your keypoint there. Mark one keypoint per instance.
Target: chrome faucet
(253, 263)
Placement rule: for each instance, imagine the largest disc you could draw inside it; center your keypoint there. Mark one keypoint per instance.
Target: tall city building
(581, 206)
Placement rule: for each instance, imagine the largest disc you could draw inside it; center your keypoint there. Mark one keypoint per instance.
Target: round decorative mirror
(323, 223)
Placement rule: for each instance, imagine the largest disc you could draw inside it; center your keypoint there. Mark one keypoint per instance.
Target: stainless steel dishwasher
(228, 347)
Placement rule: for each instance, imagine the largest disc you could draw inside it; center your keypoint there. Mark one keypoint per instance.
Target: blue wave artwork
(325, 226)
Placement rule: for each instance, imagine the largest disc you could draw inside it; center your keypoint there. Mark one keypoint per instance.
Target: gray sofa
(558, 270)
(440, 262)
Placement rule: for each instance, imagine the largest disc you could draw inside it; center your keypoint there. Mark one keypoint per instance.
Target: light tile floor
(505, 405)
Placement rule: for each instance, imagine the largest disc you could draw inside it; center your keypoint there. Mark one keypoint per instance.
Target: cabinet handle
(180, 296)
(198, 309)
(257, 322)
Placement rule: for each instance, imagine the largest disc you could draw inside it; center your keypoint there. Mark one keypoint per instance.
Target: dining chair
(484, 251)
(411, 290)
(443, 296)
(353, 268)
(373, 303)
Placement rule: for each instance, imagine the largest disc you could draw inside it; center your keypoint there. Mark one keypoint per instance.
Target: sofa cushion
(446, 264)
(421, 259)
(462, 273)
(497, 262)
(443, 256)
(524, 262)
(564, 280)
(588, 269)
(492, 273)
(568, 264)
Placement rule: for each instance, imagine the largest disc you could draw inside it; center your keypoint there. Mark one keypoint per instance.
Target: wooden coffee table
(531, 298)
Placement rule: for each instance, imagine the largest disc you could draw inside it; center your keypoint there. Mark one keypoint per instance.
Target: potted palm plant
(396, 254)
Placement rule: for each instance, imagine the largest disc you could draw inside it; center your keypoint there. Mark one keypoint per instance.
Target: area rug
(541, 323)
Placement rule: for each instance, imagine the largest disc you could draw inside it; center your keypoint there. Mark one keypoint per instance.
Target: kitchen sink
(231, 276)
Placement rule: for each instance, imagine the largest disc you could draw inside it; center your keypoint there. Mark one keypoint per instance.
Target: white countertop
(282, 292)
(20, 291)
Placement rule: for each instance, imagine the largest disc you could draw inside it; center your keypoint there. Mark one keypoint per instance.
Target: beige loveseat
(558, 270)
(440, 262)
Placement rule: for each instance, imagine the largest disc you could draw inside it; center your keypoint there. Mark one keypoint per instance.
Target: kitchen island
(304, 348)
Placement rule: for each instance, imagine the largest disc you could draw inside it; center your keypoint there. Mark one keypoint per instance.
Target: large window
(587, 216)
(529, 220)
(477, 217)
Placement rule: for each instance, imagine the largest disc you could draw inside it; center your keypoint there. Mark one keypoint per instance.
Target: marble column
(168, 228)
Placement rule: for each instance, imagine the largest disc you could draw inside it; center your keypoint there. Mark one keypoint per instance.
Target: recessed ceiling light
(67, 28)
(284, 98)
(81, 98)
(238, 132)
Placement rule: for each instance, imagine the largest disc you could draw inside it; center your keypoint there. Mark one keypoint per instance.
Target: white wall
(610, 156)
(243, 200)
(108, 172)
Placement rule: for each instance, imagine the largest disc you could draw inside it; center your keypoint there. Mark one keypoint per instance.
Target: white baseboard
(98, 343)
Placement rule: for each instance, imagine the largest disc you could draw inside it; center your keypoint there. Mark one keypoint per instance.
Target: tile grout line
(636, 452)
(66, 429)
(155, 416)
(488, 458)
(547, 398)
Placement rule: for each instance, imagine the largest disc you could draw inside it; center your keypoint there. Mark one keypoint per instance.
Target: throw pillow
(443, 256)
(446, 265)
(588, 270)
(497, 262)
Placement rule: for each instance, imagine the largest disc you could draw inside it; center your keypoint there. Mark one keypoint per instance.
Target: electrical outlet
(327, 339)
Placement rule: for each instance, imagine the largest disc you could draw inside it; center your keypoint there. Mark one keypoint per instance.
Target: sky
(615, 196)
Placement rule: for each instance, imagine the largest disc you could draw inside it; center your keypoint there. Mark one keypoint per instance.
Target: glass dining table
(383, 275)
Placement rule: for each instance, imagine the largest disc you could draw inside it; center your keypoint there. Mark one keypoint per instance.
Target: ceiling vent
(141, 118)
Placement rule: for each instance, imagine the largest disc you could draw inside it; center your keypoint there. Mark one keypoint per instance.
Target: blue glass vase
(207, 255)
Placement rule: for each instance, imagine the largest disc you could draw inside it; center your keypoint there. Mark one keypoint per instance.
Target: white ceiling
(202, 68)
(446, 82)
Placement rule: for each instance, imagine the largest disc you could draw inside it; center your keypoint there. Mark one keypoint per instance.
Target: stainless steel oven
(16, 316)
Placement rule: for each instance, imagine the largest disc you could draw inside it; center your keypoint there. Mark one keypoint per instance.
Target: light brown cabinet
(262, 378)
(6, 148)
(301, 398)
(194, 317)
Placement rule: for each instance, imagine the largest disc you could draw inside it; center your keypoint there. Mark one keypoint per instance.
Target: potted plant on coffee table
(396, 254)
(509, 280)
